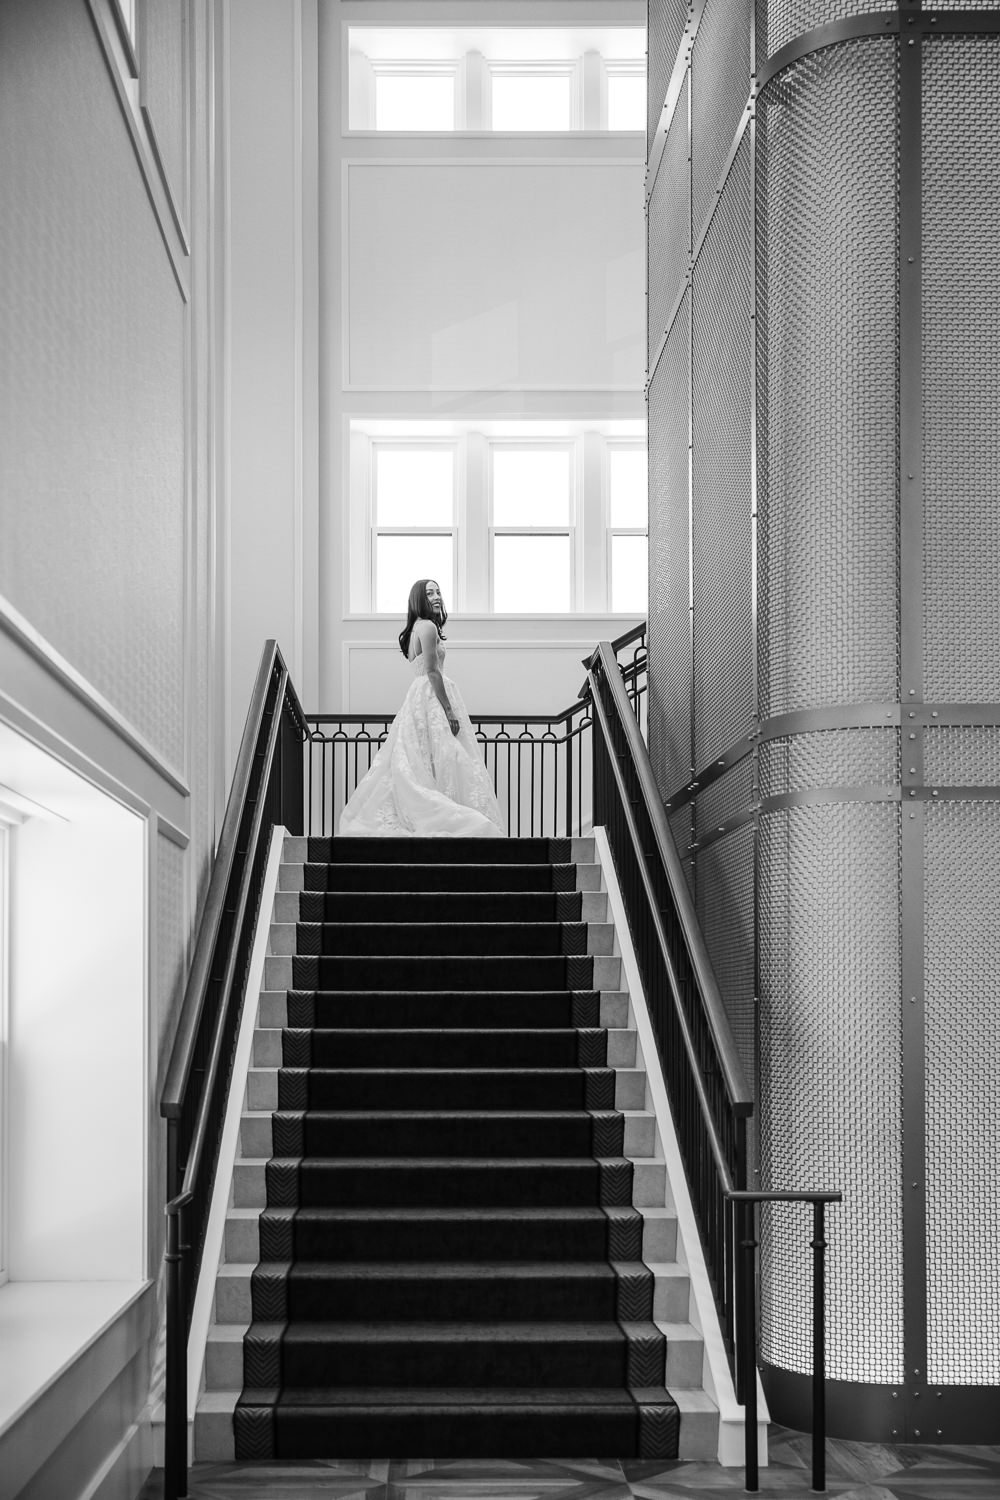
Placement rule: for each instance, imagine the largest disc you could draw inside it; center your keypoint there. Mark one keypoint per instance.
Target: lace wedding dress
(426, 780)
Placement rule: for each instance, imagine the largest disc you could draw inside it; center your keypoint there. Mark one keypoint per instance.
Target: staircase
(434, 1246)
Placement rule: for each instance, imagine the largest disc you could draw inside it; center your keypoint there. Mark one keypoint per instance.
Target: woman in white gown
(429, 778)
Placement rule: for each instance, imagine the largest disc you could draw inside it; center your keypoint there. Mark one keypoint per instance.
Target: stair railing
(708, 1089)
(540, 763)
(267, 791)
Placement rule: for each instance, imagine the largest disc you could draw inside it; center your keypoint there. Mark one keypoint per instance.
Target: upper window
(628, 585)
(504, 79)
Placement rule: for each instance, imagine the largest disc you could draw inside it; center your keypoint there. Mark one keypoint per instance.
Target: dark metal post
(175, 1413)
(819, 1351)
(568, 742)
(748, 1246)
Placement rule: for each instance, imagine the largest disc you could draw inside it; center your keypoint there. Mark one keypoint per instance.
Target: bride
(429, 778)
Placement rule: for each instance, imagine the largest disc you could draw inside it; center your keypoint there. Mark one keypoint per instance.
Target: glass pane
(531, 575)
(629, 575)
(414, 101)
(530, 101)
(414, 487)
(626, 101)
(627, 479)
(401, 560)
(531, 487)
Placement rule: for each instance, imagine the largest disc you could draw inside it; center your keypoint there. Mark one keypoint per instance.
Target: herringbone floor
(855, 1471)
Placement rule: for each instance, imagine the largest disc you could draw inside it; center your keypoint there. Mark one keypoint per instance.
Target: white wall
(479, 275)
(436, 295)
(76, 1118)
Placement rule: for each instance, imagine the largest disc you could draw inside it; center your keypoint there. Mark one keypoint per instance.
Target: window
(553, 79)
(627, 529)
(523, 98)
(532, 531)
(407, 98)
(626, 96)
(512, 516)
(413, 533)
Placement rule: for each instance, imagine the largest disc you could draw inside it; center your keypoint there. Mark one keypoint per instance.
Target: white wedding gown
(426, 781)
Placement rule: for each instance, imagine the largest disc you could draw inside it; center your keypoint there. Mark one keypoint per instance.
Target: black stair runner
(450, 1262)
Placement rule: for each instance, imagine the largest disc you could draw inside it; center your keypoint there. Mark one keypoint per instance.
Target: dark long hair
(418, 608)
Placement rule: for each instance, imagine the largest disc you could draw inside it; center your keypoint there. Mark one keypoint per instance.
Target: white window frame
(613, 445)
(569, 446)
(619, 68)
(454, 592)
(571, 68)
(418, 68)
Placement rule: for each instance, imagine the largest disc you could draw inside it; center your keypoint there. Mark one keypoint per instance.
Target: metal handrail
(182, 1054)
(253, 787)
(734, 1076)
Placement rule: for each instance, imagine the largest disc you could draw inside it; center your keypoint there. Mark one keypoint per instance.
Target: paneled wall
(823, 637)
(111, 542)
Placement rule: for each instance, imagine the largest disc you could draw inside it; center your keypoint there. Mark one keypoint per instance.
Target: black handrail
(746, 1235)
(267, 791)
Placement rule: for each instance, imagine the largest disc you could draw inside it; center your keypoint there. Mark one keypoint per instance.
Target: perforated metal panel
(827, 380)
(962, 982)
(720, 87)
(830, 1080)
(665, 22)
(726, 913)
(668, 227)
(961, 315)
(721, 475)
(669, 640)
(682, 828)
(835, 757)
(780, 21)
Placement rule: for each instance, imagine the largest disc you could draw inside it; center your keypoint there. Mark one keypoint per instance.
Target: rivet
(915, 1184)
(913, 769)
(933, 794)
(894, 1433)
(939, 1394)
(722, 828)
(911, 715)
(913, 692)
(912, 735)
(913, 999)
(909, 261)
(916, 1430)
(894, 1395)
(934, 713)
(913, 815)
(939, 1432)
(912, 793)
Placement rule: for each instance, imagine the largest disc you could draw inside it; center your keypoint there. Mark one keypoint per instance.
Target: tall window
(628, 584)
(531, 529)
(413, 507)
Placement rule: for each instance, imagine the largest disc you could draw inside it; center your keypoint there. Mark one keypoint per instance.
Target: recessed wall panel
(466, 276)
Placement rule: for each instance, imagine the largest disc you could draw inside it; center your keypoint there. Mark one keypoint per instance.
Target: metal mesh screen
(669, 619)
(958, 756)
(668, 227)
(780, 21)
(827, 380)
(731, 795)
(830, 1080)
(721, 473)
(962, 1038)
(833, 757)
(682, 828)
(720, 86)
(961, 310)
(665, 23)
(726, 913)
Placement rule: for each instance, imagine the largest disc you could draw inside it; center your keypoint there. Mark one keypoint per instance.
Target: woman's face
(434, 596)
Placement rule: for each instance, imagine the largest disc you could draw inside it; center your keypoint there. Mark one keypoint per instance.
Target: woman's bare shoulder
(425, 635)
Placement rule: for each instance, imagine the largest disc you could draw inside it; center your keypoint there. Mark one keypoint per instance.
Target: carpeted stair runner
(450, 1262)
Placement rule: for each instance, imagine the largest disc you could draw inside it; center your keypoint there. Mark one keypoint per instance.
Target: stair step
(431, 971)
(495, 852)
(436, 1047)
(444, 1088)
(457, 905)
(401, 1009)
(422, 878)
(429, 939)
(435, 1182)
(414, 1133)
